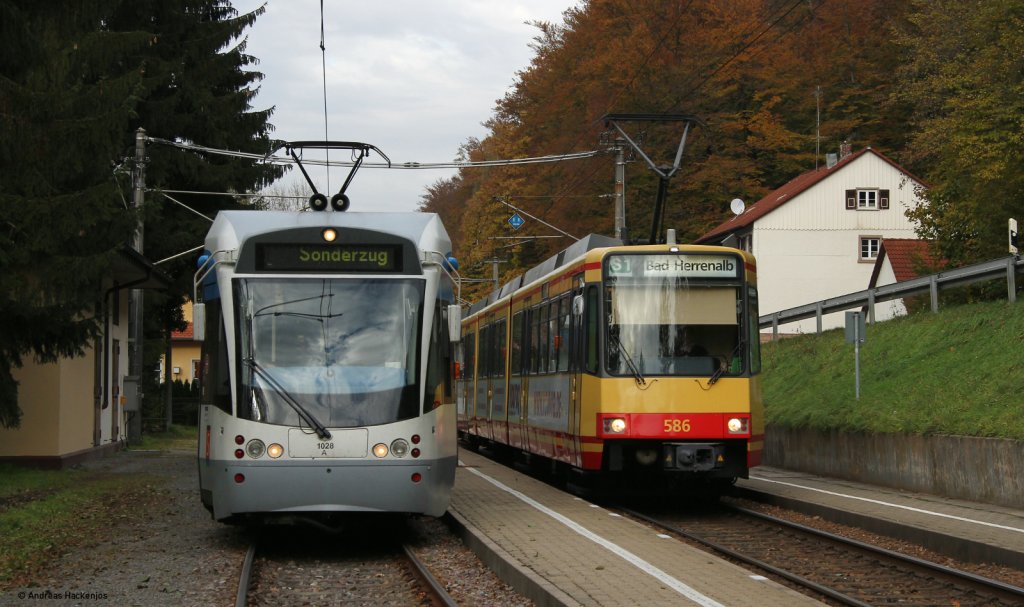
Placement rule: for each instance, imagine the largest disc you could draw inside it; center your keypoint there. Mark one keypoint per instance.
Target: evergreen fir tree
(76, 80)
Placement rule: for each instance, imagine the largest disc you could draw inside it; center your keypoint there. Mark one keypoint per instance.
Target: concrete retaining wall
(984, 470)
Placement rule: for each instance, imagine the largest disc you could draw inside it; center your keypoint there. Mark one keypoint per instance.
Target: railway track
(308, 569)
(838, 569)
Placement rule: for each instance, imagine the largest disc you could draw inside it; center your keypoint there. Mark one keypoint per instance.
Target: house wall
(75, 430)
(182, 355)
(894, 307)
(39, 389)
(809, 248)
(58, 403)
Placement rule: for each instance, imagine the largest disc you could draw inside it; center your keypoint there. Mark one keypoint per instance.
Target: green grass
(179, 438)
(956, 372)
(18, 481)
(43, 514)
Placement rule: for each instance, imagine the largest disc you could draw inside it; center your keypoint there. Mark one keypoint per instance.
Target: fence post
(1011, 279)
(871, 306)
(933, 287)
(775, 326)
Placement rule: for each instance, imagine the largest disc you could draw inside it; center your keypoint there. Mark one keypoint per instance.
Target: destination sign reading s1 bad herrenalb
(674, 266)
(328, 257)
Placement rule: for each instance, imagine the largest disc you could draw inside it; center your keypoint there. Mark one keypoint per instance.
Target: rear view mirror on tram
(454, 323)
(198, 321)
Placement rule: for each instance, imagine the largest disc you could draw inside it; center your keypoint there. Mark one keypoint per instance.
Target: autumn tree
(963, 76)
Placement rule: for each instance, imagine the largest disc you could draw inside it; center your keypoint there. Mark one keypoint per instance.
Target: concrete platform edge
(938, 542)
(523, 580)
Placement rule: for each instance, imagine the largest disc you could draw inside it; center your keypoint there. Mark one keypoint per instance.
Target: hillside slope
(960, 371)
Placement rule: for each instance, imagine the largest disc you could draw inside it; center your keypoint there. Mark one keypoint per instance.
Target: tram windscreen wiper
(308, 417)
(720, 371)
(640, 381)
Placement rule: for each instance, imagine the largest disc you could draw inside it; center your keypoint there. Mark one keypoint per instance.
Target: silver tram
(326, 365)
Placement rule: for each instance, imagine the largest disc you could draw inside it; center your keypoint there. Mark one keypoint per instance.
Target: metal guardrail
(989, 270)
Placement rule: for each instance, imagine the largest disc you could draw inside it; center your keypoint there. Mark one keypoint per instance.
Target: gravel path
(168, 551)
(172, 553)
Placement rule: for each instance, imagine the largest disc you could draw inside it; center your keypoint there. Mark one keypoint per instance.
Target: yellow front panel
(666, 395)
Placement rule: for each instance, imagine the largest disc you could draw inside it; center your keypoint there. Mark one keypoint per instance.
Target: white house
(819, 235)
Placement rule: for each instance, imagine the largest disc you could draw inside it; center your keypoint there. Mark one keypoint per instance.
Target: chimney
(845, 149)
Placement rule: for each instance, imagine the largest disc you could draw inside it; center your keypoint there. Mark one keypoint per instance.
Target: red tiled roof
(908, 257)
(784, 194)
(183, 335)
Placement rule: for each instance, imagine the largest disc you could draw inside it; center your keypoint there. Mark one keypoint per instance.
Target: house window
(867, 199)
(869, 247)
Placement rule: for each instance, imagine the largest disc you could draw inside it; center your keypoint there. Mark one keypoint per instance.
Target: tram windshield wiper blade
(637, 376)
(720, 371)
(308, 417)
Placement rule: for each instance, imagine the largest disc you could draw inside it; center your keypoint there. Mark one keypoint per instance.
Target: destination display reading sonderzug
(674, 266)
(327, 257)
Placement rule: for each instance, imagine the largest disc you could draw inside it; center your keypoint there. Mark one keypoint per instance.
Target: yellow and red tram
(633, 364)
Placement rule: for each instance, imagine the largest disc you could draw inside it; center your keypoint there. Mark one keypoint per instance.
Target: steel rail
(245, 577)
(898, 556)
(428, 578)
(1015, 592)
(796, 579)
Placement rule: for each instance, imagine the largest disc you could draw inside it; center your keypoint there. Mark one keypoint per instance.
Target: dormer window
(867, 199)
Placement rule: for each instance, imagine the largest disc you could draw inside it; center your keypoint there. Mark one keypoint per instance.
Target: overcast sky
(416, 78)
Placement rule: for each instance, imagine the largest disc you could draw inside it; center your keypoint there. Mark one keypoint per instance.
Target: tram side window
(591, 324)
(553, 340)
(499, 351)
(469, 371)
(485, 352)
(564, 329)
(544, 340)
(216, 376)
(755, 332)
(516, 342)
(438, 362)
(533, 354)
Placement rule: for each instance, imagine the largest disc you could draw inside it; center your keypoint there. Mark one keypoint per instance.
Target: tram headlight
(738, 425)
(329, 234)
(399, 447)
(380, 450)
(275, 450)
(255, 448)
(614, 425)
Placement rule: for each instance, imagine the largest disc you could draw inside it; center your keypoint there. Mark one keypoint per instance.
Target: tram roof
(230, 228)
(549, 265)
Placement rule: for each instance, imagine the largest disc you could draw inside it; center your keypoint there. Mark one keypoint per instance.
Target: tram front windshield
(343, 351)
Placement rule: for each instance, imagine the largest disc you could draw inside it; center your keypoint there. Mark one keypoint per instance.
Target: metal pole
(856, 354)
(136, 295)
(1011, 279)
(620, 190)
